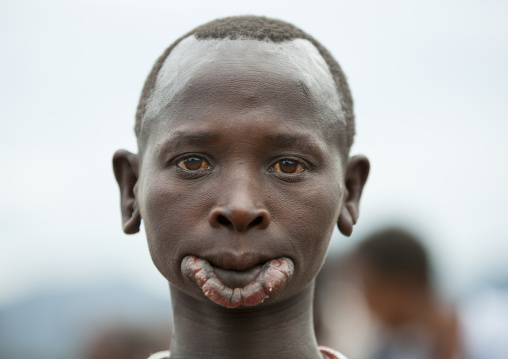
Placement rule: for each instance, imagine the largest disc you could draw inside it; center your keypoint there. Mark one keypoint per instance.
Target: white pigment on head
(297, 58)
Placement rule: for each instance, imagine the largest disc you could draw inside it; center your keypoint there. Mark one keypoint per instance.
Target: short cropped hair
(254, 28)
(396, 253)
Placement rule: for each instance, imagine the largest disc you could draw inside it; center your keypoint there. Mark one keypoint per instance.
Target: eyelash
(289, 177)
(285, 176)
(191, 174)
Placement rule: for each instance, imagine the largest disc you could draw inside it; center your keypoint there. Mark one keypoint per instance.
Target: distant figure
(394, 273)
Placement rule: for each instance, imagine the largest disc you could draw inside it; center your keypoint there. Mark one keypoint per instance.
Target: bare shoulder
(329, 353)
(160, 355)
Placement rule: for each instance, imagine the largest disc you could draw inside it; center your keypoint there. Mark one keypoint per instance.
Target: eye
(194, 163)
(287, 166)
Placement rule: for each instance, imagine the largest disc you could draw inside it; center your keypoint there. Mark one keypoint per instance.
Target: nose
(239, 214)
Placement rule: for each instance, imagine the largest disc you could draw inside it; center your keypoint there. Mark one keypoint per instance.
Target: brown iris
(193, 164)
(287, 166)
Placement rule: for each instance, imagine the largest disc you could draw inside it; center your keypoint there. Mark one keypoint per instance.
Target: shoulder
(325, 351)
(330, 353)
(160, 355)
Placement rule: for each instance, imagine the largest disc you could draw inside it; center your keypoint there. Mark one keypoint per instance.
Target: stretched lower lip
(237, 279)
(230, 288)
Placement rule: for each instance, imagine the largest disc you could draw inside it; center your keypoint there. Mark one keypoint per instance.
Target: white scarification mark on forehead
(298, 60)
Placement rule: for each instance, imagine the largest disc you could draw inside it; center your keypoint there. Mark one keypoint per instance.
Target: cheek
(171, 215)
(156, 215)
(309, 217)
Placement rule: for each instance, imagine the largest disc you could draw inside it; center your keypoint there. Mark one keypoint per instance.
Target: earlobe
(356, 175)
(126, 168)
(132, 224)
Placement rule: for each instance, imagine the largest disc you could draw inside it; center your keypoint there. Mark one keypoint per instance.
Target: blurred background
(429, 79)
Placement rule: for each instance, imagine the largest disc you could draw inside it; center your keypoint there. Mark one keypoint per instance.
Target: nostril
(223, 220)
(239, 219)
(256, 221)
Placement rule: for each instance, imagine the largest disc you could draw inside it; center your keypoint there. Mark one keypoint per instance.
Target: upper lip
(238, 261)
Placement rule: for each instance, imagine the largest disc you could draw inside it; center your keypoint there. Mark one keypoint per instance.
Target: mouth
(232, 288)
(237, 278)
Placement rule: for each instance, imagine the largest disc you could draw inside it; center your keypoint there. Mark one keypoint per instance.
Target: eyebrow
(285, 138)
(288, 139)
(180, 138)
(303, 142)
(194, 137)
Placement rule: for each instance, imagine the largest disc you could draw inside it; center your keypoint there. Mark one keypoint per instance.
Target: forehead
(289, 78)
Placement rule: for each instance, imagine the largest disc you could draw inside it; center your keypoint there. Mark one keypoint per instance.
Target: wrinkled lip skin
(237, 262)
(234, 278)
(221, 284)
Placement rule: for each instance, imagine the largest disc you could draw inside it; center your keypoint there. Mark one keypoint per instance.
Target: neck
(280, 330)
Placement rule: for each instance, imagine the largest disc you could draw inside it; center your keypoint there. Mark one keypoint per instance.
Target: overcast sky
(429, 79)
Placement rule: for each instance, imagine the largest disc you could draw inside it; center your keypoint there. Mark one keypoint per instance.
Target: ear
(126, 168)
(356, 175)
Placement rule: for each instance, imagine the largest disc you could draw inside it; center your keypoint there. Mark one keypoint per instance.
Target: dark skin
(242, 163)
